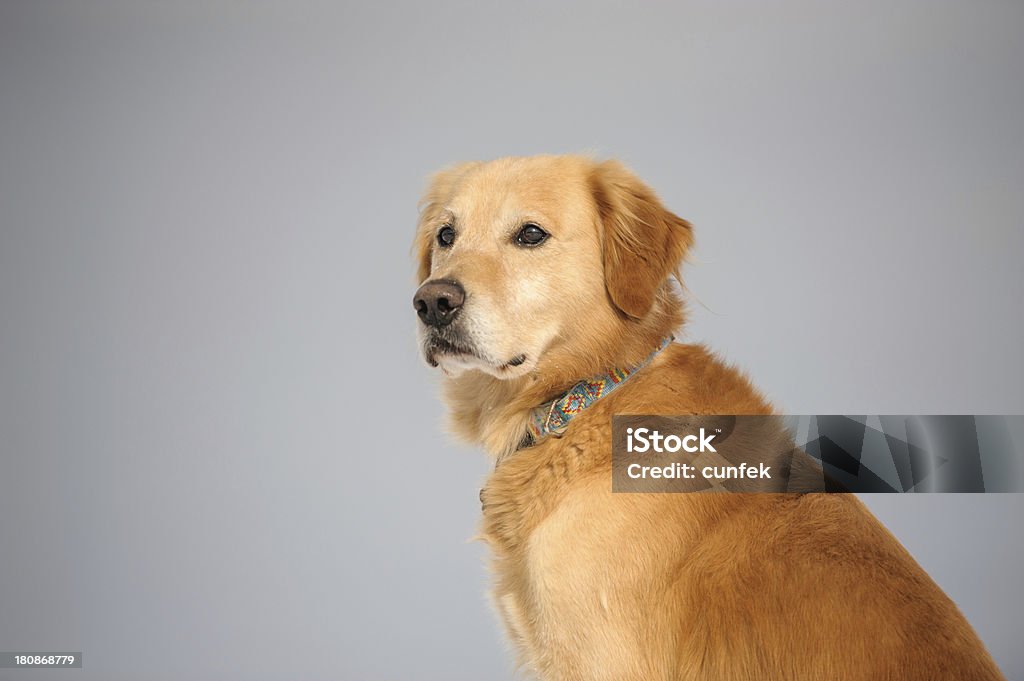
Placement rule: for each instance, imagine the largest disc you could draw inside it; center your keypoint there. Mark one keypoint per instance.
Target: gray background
(221, 454)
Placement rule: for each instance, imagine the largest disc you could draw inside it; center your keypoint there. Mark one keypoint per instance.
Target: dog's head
(523, 261)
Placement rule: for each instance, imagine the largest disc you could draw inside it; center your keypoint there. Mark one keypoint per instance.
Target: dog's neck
(495, 413)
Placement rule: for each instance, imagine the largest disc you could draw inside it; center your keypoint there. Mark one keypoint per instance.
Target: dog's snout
(437, 301)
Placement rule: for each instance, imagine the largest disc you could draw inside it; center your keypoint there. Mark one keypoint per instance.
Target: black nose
(437, 301)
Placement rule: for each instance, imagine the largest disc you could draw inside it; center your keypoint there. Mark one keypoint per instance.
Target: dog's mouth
(514, 362)
(437, 346)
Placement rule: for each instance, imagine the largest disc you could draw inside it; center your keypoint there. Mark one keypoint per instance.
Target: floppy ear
(643, 241)
(438, 193)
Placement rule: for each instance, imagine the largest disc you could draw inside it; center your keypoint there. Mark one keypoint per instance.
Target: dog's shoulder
(690, 379)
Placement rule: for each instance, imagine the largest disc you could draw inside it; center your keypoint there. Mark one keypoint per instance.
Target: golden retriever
(538, 272)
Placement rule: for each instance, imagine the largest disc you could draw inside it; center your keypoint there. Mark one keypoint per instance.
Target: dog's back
(598, 585)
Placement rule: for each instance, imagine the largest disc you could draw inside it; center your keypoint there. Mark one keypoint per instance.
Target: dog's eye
(446, 236)
(531, 235)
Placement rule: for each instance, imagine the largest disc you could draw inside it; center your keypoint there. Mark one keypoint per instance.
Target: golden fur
(595, 585)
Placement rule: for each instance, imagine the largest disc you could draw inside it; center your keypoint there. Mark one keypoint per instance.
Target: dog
(539, 272)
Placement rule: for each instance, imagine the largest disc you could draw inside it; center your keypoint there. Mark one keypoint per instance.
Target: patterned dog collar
(552, 418)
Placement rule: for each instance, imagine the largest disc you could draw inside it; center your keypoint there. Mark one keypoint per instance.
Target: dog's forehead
(521, 188)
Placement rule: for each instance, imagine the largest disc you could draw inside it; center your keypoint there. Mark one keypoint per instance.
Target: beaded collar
(552, 418)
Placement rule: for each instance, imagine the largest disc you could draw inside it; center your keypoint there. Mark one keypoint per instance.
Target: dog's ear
(439, 192)
(643, 241)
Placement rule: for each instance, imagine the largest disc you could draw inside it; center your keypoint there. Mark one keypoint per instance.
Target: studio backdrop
(221, 454)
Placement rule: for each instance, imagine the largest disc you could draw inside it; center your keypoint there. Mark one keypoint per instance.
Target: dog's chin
(454, 360)
(455, 364)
